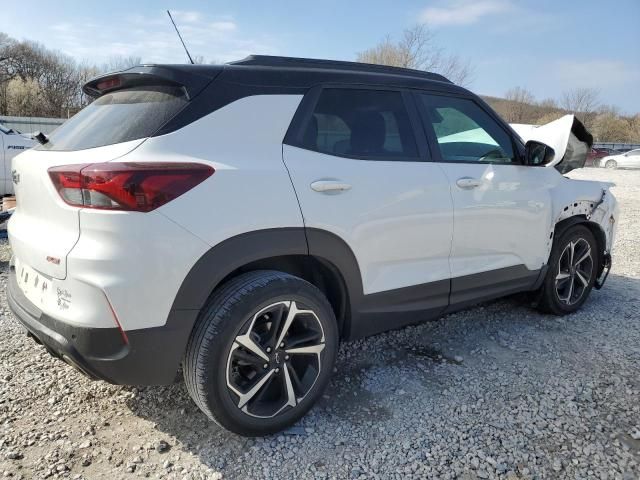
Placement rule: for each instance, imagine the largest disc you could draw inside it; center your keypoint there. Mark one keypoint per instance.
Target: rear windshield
(117, 117)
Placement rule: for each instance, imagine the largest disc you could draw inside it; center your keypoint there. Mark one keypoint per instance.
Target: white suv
(242, 220)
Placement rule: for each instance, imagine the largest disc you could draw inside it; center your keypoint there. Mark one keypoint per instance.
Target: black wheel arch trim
(225, 258)
(229, 255)
(360, 315)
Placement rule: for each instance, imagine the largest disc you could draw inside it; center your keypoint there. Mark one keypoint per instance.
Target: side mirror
(538, 153)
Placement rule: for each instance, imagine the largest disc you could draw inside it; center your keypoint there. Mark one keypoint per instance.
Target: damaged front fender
(593, 203)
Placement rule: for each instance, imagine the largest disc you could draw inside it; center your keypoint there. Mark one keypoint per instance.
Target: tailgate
(43, 228)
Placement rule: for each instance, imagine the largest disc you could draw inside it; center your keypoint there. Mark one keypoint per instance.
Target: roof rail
(312, 63)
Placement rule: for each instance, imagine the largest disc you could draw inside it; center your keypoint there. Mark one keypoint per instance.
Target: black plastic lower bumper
(149, 356)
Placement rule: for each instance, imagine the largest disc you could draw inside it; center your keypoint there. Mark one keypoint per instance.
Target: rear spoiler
(192, 78)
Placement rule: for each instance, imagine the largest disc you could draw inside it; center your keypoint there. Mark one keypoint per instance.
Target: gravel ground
(497, 391)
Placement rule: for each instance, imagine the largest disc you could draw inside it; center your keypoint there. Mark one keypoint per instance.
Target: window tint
(634, 153)
(361, 123)
(118, 117)
(465, 132)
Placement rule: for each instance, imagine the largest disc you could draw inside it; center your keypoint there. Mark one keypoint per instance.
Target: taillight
(139, 187)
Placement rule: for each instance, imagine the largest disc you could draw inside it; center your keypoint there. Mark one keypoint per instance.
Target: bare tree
(86, 72)
(519, 105)
(59, 85)
(5, 76)
(117, 63)
(549, 117)
(23, 59)
(634, 128)
(548, 103)
(583, 103)
(612, 109)
(520, 95)
(609, 127)
(4, 39)
(36, 81)
(417, 49)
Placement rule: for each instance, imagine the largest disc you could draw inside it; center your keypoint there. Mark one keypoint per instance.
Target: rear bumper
(149, 356)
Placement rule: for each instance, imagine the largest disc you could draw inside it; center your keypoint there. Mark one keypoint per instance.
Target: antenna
(180, 37)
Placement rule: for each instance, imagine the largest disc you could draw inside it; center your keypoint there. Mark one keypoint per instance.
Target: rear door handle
(330, 186)
(468, 182)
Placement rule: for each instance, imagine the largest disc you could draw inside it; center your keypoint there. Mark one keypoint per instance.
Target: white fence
(32, 124)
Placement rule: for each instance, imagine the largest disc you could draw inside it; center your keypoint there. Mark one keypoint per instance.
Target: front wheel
(572, 272)
(262, 352)
(611, 164)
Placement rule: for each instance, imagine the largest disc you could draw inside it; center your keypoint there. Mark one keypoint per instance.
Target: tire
(611, 164)
(238, 341)
(565, 287)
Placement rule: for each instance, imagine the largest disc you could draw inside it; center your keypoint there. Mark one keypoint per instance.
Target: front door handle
(468, 182)
(330, 186)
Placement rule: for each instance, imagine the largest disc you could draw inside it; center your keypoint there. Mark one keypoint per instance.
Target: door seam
(295, 192)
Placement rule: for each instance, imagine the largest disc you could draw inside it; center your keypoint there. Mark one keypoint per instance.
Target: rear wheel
(611, 164)
(262, 352)
(572, 271)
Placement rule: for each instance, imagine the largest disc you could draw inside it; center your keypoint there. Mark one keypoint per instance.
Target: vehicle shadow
(433, 347)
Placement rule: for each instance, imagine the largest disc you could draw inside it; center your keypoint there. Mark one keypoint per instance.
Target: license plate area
(38, 288)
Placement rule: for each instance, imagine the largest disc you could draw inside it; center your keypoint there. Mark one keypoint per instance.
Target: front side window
(369, 124)
(466, 133)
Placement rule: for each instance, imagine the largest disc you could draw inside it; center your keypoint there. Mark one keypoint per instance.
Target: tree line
(416, 48)
(605, 122)
(38, 82)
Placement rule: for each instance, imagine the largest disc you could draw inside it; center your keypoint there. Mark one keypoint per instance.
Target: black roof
(271, 72)
(297, 75)
(312, 64)
(215, 86)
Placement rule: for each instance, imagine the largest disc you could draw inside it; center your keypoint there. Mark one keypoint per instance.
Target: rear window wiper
(41, 138)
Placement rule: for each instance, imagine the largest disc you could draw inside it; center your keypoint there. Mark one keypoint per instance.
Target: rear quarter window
(117, 117)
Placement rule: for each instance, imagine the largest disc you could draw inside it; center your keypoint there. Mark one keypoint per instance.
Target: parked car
(11, 144)
(241, 220)
(630, 159)
(594, 156)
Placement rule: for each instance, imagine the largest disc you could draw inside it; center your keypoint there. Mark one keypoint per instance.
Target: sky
(545, 46)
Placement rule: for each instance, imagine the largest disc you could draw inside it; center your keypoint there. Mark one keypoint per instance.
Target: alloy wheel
(575, 267)
(276, 359)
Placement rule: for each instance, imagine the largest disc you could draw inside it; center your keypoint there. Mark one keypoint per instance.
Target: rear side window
(368, 124)
(118, 117)
(466, 133)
